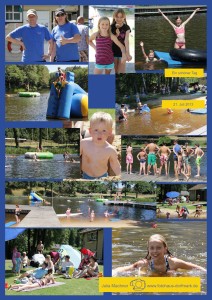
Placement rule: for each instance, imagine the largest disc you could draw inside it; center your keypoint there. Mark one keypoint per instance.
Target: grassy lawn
(71, 287)
(173, 207)
(110, 111)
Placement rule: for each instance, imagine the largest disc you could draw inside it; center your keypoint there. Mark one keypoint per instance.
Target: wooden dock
(37, 216)
(200, 131)
(146, 205)
(159, 178)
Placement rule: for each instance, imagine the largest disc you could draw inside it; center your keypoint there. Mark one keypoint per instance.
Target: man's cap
(59, 11)
(31, 12)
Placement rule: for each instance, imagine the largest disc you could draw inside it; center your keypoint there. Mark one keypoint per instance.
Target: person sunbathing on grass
(35, 283)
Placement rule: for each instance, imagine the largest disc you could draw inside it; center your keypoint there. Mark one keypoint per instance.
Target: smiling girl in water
(158, 259)
(179, 28)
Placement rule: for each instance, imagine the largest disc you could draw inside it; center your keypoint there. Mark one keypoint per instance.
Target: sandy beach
(174, 215)
(101, 222)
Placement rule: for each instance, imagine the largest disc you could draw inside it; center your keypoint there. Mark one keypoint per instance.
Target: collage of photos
(91, 184)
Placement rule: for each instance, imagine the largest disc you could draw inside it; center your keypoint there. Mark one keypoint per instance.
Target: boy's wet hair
(101, 117)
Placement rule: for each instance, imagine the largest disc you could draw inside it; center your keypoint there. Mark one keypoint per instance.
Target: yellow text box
(183, 104)
(184, 73)
(150, 284)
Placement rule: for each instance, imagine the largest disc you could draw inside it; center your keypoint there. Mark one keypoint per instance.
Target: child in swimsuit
(150, 57)
(96, 152)
(141, 156)
(129, 158)
(179, 28)
(158, 259)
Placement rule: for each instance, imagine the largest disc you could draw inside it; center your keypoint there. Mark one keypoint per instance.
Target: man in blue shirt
(36, 273)
(31, 37)
(66, 36)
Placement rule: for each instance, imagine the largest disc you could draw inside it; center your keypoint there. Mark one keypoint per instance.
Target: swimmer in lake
(158, 259)
(179, 29)
(151, 56)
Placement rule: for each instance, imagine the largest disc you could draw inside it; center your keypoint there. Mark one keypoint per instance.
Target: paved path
(41, 216)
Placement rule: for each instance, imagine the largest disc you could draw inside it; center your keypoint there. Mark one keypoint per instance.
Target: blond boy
(96, 152)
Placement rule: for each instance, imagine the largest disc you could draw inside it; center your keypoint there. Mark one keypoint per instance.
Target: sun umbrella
(172, 194)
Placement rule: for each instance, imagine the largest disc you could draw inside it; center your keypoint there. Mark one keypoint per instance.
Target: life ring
(11, 50)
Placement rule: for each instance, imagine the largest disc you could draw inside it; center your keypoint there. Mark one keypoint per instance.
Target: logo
(138, 284)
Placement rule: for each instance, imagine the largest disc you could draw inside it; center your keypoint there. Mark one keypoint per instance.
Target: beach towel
(45, 286)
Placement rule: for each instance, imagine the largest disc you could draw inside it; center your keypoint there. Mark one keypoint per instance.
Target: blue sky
(53, 68)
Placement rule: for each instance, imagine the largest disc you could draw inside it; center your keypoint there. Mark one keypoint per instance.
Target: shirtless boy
(122, 113)
(141, 156)
(164, 153)
(188, 152)
(152, 148)
(199, 154)
(96, 152)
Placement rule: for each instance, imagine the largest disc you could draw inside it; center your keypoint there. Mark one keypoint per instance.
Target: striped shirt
(104, 53)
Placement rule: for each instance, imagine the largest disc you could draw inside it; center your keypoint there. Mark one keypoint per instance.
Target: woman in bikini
(179, 28)
(36, 283)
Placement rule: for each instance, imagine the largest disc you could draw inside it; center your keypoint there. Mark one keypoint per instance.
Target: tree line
(49, 188)
(57, 135)
(37, 77)
(130, 84)
(28, 240)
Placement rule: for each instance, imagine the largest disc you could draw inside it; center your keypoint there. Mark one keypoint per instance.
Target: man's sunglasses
(60, 15)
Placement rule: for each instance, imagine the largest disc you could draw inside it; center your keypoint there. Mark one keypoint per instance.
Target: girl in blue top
(65, 36)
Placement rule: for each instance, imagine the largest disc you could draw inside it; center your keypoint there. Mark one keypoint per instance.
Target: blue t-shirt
(69, 51)
(176, 148)
(33, 39)
(39, 273)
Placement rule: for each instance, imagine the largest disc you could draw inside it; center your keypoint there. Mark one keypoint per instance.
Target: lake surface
(61, 204)
(56, 168)
(186, 240)
(26, 108)
(157, 34)
(160, 122)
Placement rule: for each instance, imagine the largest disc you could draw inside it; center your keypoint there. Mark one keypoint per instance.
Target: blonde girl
(159, 259)
(122, 31)
(103, 47)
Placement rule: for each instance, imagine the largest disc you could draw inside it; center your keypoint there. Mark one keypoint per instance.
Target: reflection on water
(186, 241)
(56, 168)
(26, 109)
(157, 34)
(158, 120)
(60, 205)
(136, 164)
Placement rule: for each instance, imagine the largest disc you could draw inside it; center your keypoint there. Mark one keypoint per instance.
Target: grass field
(71, 287)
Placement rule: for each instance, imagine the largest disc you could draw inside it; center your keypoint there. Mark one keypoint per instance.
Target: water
(157, 34)
(186, 241)
(56, 168)
(61, 204)
(158, 120)
(136, 164)
(27, 109)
